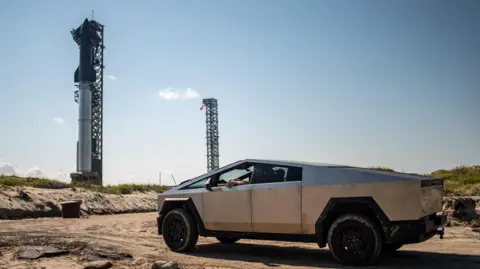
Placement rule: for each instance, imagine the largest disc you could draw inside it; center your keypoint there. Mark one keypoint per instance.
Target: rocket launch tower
(88, 79)
(211, 114)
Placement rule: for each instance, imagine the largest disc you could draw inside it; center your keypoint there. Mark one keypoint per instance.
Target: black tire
(227, 240)
(179, 230)
(359, 233)
(391, 248)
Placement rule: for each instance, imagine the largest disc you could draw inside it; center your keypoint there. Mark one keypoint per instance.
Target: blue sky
(367, 83)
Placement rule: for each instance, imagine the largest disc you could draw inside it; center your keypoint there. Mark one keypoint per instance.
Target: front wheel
(179, 230)
(354, 240)
(227, 240)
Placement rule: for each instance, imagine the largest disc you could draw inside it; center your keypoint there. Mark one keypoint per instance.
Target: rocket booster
(85, 75)
(87, 38)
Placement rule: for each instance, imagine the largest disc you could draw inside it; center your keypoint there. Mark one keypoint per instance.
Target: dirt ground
(130, 241)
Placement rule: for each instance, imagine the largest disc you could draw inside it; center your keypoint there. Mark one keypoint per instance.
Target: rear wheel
(179, 230)
(354, 240)
(227, 239)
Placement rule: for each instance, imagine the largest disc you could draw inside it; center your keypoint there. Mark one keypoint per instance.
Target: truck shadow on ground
(274, 256)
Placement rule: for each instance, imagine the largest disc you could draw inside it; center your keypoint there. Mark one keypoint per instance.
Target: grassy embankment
(459, 181)
(54, 184)
(462, 180)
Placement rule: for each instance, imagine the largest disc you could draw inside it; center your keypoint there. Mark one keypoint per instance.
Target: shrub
(386, 169)
(55, 184)
(461, 180)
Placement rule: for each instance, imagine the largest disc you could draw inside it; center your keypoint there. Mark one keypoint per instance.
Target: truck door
(277, 199)
(229, 209)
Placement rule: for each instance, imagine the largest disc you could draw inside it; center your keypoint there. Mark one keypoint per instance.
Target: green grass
(386, 169)
(55, 184)
(460, 180)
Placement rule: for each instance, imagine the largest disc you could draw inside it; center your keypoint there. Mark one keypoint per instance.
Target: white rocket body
(84, 127)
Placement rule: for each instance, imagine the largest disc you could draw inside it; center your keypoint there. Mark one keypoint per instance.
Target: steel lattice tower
(213, 153)
(97, 101)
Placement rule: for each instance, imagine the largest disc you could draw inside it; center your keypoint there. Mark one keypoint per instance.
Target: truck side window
(235, 174)
(294, 174)
(197, 185)
(268, 173)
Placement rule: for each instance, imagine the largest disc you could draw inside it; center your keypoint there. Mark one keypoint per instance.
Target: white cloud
(177, 94)
(61, 176)
(112, 77)
(35, 172)
(7, 169)
(58, 120)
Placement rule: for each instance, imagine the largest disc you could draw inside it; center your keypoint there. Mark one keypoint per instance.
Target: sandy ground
(130, 241)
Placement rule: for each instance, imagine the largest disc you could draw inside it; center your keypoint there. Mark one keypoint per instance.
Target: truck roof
(354, 168)
(309, 164)
(291, 162)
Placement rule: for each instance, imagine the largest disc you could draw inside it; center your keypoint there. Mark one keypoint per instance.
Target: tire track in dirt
(137, 235)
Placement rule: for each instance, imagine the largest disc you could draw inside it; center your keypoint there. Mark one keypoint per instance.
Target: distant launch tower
(89, 80)
(213, 153)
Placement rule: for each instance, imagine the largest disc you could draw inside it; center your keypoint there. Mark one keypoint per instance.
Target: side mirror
(208, 185)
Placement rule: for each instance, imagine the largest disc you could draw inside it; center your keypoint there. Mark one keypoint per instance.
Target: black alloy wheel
(179, 230)
(354, 240)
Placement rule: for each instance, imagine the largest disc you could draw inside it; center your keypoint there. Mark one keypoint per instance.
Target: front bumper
(408, 232)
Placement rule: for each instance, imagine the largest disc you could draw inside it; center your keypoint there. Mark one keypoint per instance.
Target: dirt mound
(28, 202)
(462, 211)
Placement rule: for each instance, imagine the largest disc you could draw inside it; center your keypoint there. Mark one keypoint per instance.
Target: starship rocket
(85, 75)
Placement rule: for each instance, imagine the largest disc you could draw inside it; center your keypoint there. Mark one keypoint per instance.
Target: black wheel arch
(186, 203)
(342, 205)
